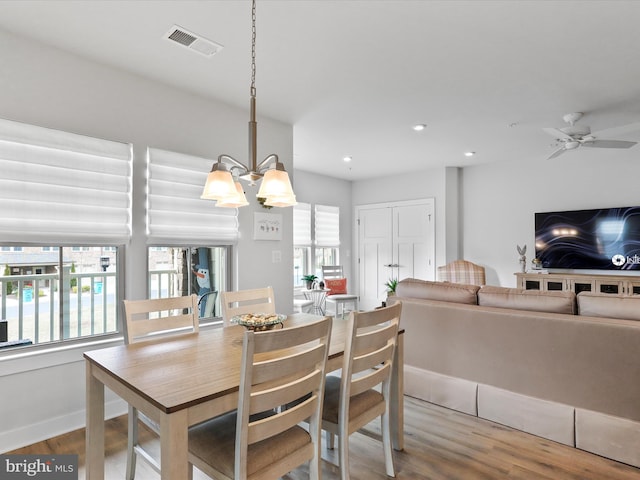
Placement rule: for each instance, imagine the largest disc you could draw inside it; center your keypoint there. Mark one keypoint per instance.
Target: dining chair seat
(363, 403)
(221, 432)
(341, 300)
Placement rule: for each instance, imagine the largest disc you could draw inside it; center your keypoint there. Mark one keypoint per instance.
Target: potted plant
(309, 279)
(391, 285)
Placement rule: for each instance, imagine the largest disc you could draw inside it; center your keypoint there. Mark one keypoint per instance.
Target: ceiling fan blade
(617, 131)
(557, 153)
(608, 144)
(559, 134)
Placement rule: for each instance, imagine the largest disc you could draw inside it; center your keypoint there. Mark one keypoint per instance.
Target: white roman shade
(175, 211)
(302, 224)
(59, 187)
(327, 226)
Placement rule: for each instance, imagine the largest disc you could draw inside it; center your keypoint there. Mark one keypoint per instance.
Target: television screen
(603, 239)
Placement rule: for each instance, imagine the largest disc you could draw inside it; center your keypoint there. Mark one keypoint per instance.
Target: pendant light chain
(253, 48)
(275, 187)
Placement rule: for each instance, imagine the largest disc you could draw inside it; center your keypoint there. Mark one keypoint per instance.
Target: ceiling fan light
(275, 183)
(234, 201)
(219, 185)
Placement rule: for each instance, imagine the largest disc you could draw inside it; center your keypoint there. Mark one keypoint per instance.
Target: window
(178, 271)
(327, 236)
(175, 210)
(66, 203)
(301, 242)
(326, 233)
(176, 217)
(325, 256)
(59, 295)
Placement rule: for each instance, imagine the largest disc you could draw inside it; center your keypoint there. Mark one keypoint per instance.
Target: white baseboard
(455, 393)
(37, 432)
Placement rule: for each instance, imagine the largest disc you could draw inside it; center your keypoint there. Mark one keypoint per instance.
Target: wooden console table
(622, 285)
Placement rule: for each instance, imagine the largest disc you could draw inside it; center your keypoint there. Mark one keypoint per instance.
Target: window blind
(175, 210)
(327, 226)
(302, 224)
(62, 187)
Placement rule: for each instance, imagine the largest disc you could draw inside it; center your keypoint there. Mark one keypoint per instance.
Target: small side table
(318, 296)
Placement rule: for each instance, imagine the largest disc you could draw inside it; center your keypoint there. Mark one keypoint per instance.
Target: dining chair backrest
(354, 400)
(369, 351)
(146, 319)
(257, 300)
(279, 367)
(332, 271)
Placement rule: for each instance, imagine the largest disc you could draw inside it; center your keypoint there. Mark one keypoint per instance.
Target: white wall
(500, 199)
(417, 185)
(44, 86)
(319, 189)
(484, 211)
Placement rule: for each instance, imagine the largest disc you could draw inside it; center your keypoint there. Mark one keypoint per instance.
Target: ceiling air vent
(193, 41)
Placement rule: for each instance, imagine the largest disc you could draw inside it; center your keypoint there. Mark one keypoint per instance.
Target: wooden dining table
(182, 380)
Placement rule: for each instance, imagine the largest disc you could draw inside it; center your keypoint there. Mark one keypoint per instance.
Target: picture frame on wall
(267, 226)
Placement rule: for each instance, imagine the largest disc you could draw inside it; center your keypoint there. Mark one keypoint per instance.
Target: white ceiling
(354, 76)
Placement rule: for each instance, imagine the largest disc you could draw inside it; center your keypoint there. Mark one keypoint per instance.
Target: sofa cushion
(444, 291)
(611, 306)
(531, 300)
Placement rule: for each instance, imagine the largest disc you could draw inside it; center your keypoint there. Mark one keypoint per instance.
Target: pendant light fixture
(276, 187)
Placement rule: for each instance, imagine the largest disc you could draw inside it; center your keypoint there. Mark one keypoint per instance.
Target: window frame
(319, 253)
(224, 283)
(58, 340)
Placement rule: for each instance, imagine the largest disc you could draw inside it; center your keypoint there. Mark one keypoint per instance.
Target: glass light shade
(219, 186)
(238, 200)
(275, 183)
(284, 201)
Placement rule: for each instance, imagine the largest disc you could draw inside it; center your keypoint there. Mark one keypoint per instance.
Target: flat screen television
(600, 239)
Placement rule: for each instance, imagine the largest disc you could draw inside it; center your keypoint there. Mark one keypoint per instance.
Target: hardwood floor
(440, 444)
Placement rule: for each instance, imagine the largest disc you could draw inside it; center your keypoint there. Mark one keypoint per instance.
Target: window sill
(29, 359)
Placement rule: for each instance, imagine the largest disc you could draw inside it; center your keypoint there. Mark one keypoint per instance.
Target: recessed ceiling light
(469, 154)
(419, 127)
(348, 158)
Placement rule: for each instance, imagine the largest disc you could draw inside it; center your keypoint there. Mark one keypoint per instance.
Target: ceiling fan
(575, 136)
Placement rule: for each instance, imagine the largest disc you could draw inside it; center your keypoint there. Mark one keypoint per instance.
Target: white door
(375, 255)
(395, 240)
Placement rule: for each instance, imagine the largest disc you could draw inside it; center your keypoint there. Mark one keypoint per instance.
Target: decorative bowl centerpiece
(259, 321)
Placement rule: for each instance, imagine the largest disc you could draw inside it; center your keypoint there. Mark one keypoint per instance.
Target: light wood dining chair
(257, 300)
(352, 400)
(261, 440)
(335, 280)
(146, 320)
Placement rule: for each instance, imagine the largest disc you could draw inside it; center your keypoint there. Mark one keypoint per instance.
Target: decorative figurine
(523, 259)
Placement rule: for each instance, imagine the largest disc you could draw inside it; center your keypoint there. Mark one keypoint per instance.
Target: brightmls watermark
(50, 467)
